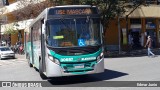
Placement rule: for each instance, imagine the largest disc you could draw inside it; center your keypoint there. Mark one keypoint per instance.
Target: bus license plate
(79, 66)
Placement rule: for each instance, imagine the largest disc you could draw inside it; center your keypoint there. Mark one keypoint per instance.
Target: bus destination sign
(76, 11)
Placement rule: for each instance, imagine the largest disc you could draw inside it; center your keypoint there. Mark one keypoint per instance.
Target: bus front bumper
(54, 70)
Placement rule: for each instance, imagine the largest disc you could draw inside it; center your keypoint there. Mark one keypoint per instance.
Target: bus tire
(42, 75)
(28, 60)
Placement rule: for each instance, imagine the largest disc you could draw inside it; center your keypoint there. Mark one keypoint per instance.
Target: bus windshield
(77, 32)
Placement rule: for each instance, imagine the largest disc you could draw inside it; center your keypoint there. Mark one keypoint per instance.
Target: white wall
(22, 25)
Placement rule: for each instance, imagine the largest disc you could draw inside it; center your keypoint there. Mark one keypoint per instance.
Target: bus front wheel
(43, 76)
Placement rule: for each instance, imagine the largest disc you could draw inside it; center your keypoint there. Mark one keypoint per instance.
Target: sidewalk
(20, 56)
(132, 53)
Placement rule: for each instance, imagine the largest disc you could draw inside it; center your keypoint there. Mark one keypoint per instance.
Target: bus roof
(73, 6)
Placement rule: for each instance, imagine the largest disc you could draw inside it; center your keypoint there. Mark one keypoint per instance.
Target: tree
(9, 29)
(2, 20)
(2, 16)
(27, 9)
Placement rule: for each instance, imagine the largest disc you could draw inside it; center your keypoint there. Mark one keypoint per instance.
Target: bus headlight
(50, 57)
(57, 61)
(100, 57)
(53, 59)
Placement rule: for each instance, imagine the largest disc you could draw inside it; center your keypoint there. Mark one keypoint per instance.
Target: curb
(133, 53)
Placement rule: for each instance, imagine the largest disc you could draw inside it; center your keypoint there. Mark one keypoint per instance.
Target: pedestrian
(21, 49)
(9, 43)
(149, 45)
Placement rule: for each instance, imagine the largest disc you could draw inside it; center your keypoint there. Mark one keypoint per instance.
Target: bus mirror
(42, 21)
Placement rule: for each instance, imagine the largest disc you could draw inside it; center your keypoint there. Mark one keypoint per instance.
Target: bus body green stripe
(75, 59)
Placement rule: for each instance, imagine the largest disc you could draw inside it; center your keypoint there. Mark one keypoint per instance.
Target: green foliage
(10, 30)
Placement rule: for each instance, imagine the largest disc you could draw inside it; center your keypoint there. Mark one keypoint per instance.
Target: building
(13, 21)
(144, 21)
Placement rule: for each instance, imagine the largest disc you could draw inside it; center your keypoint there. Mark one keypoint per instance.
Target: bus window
(88, 30)
(61, 31)
(71, 32)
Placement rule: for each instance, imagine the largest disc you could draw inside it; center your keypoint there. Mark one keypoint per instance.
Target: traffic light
(5, 2)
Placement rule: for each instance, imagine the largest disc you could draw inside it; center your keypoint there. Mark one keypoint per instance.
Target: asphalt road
(117, 70)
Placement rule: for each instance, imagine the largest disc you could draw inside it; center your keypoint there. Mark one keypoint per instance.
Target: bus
(66, 41)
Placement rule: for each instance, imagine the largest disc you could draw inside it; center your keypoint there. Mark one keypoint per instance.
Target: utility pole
(0, 36)
(0, 33)
(119, 34)
(119, 31)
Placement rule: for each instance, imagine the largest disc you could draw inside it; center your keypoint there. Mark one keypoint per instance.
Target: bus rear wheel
(28, 60)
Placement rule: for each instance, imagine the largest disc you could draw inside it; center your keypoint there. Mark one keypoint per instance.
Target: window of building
(135, 21)
(146, 1)
(5, 2)
(150, 23)
(158, 2)
(151, 1)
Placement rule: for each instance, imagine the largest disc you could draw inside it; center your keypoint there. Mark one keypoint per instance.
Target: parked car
(6, 52)
(3, 43)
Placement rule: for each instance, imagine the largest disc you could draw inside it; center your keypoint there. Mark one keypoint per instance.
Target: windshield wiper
(83, 26)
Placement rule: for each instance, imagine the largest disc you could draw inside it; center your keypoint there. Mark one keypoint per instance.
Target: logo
(81, 42)
(21, 84)
(6, 84)
(66, 59)
(88, 58)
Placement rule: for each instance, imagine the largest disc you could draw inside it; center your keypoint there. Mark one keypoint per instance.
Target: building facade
(12, 23)
(144, 21)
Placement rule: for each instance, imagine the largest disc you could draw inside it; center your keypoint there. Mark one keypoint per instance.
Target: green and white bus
(65, 41)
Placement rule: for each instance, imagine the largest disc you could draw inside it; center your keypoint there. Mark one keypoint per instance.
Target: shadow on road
(17, 56)
(86, 80)
(8, 59)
